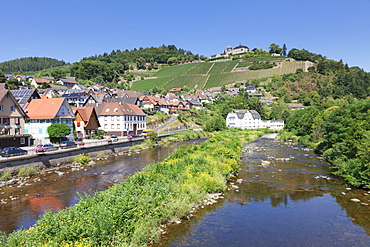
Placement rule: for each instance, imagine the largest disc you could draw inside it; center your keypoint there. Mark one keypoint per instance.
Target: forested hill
(29, 64)
(109, 67)
(150, 55)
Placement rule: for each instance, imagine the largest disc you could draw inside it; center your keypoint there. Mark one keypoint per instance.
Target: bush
(101, 156)
(27, 171)
(5, 176)
(82, 158)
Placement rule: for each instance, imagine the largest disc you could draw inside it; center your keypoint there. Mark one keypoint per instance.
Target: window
(1, 107)
(12, 108)
(6, 120)
(112, 126)
(118, 126)
(40, 131)
(23, 140)
(105, 118)
(78, 124)
(17, 120)
(118, 118)
(17, 131)
(105, 126)
(112, 118)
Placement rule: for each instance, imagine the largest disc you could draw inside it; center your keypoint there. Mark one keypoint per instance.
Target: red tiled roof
(44, 108)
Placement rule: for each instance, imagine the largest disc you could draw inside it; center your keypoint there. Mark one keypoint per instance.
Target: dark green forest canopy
(151, 54)
(29, 64)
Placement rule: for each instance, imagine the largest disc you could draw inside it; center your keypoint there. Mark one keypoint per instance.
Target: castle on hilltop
(240, 49)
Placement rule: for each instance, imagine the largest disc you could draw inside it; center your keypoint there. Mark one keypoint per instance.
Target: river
(273, 201)
(295, 202)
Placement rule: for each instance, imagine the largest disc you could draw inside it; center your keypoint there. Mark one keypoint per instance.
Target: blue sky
(72, 29)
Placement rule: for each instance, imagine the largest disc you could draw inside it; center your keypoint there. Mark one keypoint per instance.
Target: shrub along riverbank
(130, 213)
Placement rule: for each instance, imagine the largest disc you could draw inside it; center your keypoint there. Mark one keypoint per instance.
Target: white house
(121, 119)
(44, 112)
(251, 119)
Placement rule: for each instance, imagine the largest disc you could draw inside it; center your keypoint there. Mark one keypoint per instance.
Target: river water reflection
(281, 203)
(54, 191)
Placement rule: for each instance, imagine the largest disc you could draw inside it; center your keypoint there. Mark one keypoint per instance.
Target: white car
(114, 138)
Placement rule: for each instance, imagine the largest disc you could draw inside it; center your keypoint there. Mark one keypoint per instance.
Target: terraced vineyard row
(200, 69)
(192, 81)
(215, 80)
(175, 70)
(195, 75)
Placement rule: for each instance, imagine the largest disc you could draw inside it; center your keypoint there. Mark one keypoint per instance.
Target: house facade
(153, 103)
(251, 119)
(86, 122)
(121, 119)
(41, 117)
(12, 122)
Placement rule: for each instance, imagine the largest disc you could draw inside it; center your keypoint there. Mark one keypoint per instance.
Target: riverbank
(131, 213)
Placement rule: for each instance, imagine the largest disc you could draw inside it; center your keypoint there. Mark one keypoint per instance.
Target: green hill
(203, 75)
(29, 64)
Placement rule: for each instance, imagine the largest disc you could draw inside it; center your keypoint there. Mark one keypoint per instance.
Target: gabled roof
(86, 113)
(194, 102)
(7, 93)
(241, 46)
(24, 95)
(41, 80)
(153, 100)
(3, 86)
(68, 81)
(241, 113)
(127, 93)
(115, 108)
(58, 87)
(74, 95)
(45, 108)
(171, 96)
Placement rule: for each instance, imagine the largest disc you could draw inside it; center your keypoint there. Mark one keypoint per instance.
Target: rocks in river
(364, 204)
(322, 177)
(91, 163)
(355, 200)
(234, 186)
(343, 193)
(348, 188)
(265, 163)
(239, 181)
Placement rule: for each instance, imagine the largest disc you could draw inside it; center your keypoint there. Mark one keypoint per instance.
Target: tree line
(29, 64)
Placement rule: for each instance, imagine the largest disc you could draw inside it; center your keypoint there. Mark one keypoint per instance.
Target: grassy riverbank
(130, 213)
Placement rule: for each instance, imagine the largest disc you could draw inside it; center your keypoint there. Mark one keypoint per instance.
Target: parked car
(12, 151)
(67, 144)
(133, 136)
(145, 133)
(80, 143)
(114, 138)
(45, 148)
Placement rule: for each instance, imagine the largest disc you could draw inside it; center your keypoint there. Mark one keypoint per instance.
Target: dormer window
(107, 110)
(115, 110)
(12, 109)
